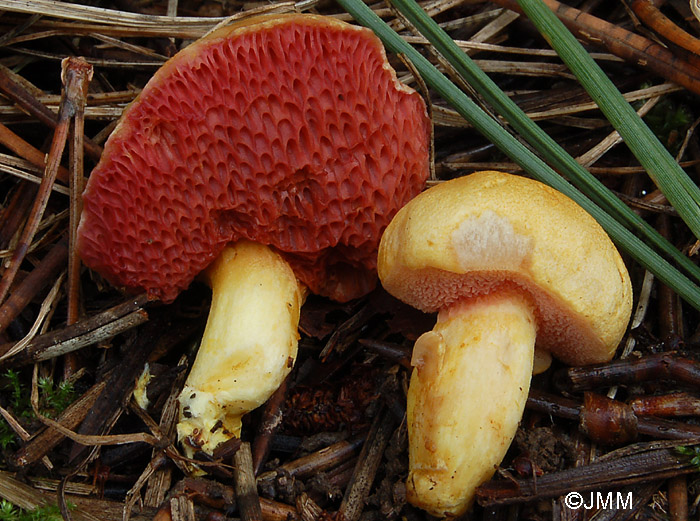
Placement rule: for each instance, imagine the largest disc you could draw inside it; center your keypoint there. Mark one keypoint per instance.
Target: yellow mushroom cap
(489, 230)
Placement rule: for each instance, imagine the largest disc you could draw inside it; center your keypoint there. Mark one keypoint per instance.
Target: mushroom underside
(293, 132)
(560, 329)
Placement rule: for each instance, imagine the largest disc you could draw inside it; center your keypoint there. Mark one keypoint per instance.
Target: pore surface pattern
(295, 136)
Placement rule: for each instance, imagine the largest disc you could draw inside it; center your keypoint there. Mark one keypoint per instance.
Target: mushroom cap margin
(472, 235)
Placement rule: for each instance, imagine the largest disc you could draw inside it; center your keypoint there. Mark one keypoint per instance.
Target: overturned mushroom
(275, 149)
(506, 261)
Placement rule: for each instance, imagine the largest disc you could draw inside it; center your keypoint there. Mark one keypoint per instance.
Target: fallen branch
(95, 329)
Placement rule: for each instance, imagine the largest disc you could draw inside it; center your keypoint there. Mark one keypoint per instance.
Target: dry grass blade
(90, 14)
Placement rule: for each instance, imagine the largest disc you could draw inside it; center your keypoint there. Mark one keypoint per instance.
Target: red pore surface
(290, 131)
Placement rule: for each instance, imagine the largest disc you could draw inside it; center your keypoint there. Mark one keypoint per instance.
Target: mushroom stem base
(467, 394)
(248, 347)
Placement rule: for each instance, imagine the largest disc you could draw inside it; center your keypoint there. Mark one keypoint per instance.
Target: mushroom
(269, 156)
(507, 262)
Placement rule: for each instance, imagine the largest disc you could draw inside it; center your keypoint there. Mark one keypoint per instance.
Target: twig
(23, 149)
(87, 19)
(114, 399)
(14, 212)
(104, 325)
(368, 462)
(23, 434)
(26, 100)
(638, 464)
(82, 439)
(612, 139)
(222, 497)
(394, 352)
(670, 304)
(28, 498)
(245, 485)
(570, 409)
(276, 511)
(642, 495)
(101, 15)
(44, 311)
(607, 421)
(678, 498)
(160, 482)
(83, 72)
(670, 365)
(182, 508)
(319, 461)
(650, 15)
(673, 404)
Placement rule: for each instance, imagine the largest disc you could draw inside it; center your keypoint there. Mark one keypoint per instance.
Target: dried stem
(83, 73)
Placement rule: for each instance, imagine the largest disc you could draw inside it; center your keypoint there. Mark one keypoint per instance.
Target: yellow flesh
(249, 345)
(466, 397)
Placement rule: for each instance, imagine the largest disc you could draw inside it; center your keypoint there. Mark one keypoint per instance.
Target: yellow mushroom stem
(467, 394)
(248, 347)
